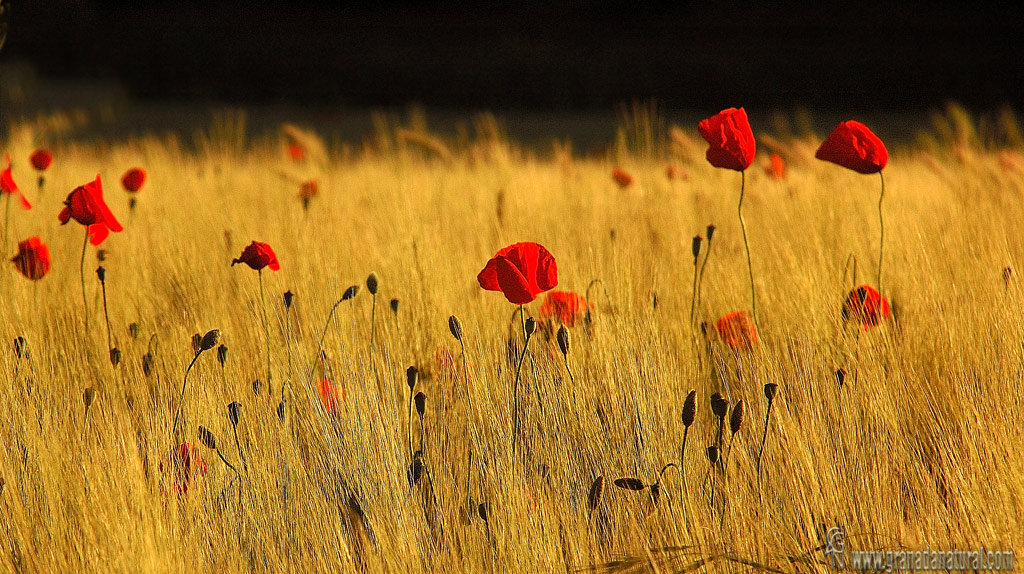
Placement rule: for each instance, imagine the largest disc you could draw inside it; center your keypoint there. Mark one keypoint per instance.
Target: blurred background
(541, 61)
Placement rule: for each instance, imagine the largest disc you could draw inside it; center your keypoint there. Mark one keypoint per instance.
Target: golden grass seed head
(412, 376)
(563, 340)
(630, 483)
(695, 247)
(421, 403)
(289, 299)
(455, 326)
(133, 330)
(394, 306)
(234, 412)
(595, 494)
(736, 420)
(712, 454)
(690, 408)
(20, 347)
(531, 326)
(206, 437)
(222, 354)
(372, 283)
(769, 391)
(101, 272)
(350, 292)
(209, 340)
(115, 357)
(89, 397)
(719, 405)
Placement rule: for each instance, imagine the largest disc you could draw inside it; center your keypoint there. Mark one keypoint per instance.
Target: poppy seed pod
(596, 491)
(695, 247)
(531, 326)
(710, 231)
(133, 330)
(629, 483)
(222, 354)
(147, 364)
(421, 403)
(719, 405)
(455, 326)
(350, 292)
(563, 340)
(372, 283)
(689, 408)
(234, 411)
(712, 454)
(206, 437)
(412, 375)
(115, 357)
(101, 272)
(89, 397)
(769, 391)
(736, 420)
(209, 340)
(19, 346)
(289, 298)
(394, 306)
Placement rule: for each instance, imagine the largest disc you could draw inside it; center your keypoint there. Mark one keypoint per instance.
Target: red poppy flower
(565, 306)
(622, 178)
(86, 206)
(853, 146)
(866, 306)
(133, 179)
(7, 185)
(521, 272)
(33, 258)
(777, 168)
(296, 152)
(309, 189)
(41, 159)
(730, 141)
(257, 256)
(328, 395)
(737, 330)
(185, 464)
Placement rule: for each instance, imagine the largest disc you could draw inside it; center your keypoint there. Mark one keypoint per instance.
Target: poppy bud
(563, 340)
(421, 403)
(89, 397)
(695, 247)
(19, 347)
(482, 511)
(689, 408)
(654, 299)
(101, 272)
(222, 354)
(1007, 275)
(101, 256)
(719, 405)
(206, 437)
(710, 232)
(655, 492)
(769, 391)
(596, 491)
(350, 292)
(256, 385)
(209, 340)
(629, 483)
(415, 471)
(197, 343)
(115, 357)
(531, 326)
(234, 411)
(840, 377)
(412, 374)
(712, 454)
(455, 326)
(372, 283)
(736, 420)
(147, 364)
(133, 330)
(394, 306)
(289, 297)
(280, 410)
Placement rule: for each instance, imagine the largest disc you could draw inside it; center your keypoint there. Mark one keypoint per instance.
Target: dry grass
(920, 448)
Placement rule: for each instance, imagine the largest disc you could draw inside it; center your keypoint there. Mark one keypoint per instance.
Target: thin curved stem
(764, 438)
(693, 296)
(703, 265)
(515, 392)
(266, 325)
(746, 245)
(7, 221)
(881, 231)
(184, 384)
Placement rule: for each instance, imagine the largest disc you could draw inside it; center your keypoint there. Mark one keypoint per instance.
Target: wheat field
(920, 447)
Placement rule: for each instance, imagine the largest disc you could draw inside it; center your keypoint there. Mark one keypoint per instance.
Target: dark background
(513, 55)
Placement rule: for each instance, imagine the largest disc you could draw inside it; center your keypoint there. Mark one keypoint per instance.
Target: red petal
(488, 277)
(64, 216)
(513, 284)
(98, 232)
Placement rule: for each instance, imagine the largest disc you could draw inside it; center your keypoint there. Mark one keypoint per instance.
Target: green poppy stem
(746, 245)
(266, 325)
(881, 231)
(85, 300)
